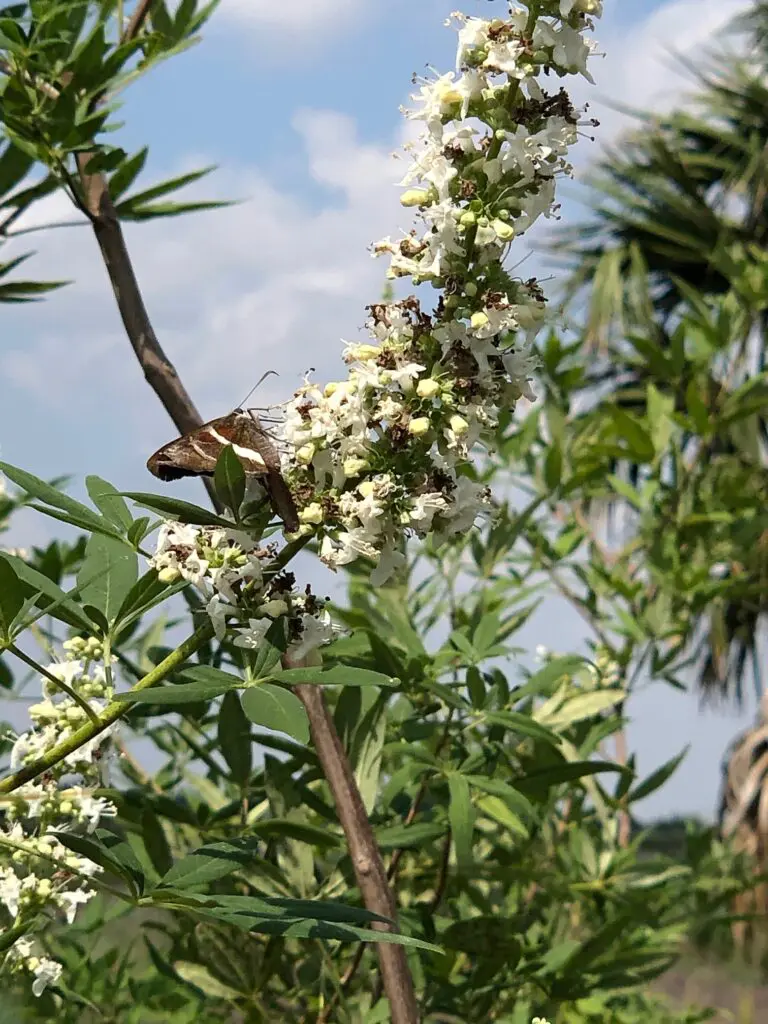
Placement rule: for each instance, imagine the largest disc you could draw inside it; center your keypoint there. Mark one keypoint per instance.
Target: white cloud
(640, 68)
(304, 18)
(272, 283)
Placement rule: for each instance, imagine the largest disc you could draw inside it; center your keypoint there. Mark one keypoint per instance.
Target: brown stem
(366, 858)
(158, 370)
(622, 757)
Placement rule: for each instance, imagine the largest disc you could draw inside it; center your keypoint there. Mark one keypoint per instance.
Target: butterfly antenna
(262, 378)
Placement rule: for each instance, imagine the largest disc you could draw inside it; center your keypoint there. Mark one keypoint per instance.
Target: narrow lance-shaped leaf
(12, 598)
(229, 479)
(461, 815)
(235, 738)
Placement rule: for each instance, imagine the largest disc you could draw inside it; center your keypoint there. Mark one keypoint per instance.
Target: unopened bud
(414, 197)
(478, 320)
(305, 454)
(274, 609)
(312, 513)
(503, 230)
(168, 575)
(427, 388)
(419, 425)
(354, 466)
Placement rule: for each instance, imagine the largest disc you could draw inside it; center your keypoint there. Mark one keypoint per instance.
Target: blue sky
(297, 102)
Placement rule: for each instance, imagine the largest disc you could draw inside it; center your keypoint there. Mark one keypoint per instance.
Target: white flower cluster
(40, 875)
(240, 591)
(385, 452)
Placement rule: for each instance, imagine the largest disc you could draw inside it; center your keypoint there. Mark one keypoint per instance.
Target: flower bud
(470, 289)
(305, 454)
(427, 388)
(362, 352)
(274, 609)
(312, 513)
(419, 425)
(468, 219)
(354, 466)
(415, 197)
(366, 488)
(458, 425)
(503, 231)
(478, 320)
(168, 575)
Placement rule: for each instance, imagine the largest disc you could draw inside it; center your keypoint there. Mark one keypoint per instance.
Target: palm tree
(679, 218)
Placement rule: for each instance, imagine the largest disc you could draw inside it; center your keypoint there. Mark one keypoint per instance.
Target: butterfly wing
(196, 453)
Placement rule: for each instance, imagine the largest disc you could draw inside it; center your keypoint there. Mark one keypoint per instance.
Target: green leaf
(544, 681)
(229, 479)
(183, 511)
(497, 809)
(278, 709)
(126, 174)
(49, 595)
(12, 598)
(515, 800)
(553, 467)
(235, 738)
(656, 778)
(107, 575)
(200, 978)
(369, 744)
(183, 693)
(209, 862)
(91, 523)
(147, 592)
(631, 430)
(565, 772)
(522, 724)
(284, 828)
(582, 706)
(163, 189)
(461, 815)
(109, 502)
(155, 842)
(407, 836)
(50, 495)
(336, 675)
(269, 652)
(114, 855)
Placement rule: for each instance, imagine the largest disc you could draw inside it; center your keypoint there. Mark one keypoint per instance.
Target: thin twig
(108, 716)
(60, 685)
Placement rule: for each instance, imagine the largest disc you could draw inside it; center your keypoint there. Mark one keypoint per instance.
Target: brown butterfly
(196, 454)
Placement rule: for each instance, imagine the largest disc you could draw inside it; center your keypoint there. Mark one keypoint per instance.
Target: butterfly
(196, 454)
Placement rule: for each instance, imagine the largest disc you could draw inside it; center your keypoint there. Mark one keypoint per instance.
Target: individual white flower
(217, 612)
(316, 629)
(71, 900)
(252, 637)
(10, 890)
(47, 972)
